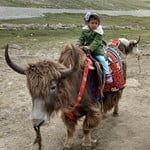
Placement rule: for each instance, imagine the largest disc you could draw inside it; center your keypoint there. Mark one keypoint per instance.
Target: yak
(54, 86)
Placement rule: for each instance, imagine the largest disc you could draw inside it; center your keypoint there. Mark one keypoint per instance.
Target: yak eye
(53, 85)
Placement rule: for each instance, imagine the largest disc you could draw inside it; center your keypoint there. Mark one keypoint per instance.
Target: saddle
(96, 76)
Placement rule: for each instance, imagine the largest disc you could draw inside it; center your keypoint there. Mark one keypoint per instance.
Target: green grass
(17, 3)
(77, 19)
(81, 4)
(46, 39)
(126, 21)
(38, 39)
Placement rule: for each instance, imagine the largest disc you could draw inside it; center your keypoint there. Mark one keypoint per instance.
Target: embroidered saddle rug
(94, 80)
(115, 67)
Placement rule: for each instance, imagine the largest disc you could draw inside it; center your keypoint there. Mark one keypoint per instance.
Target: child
(91, 39)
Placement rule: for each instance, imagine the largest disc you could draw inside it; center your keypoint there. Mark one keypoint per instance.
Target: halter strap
(89, 63)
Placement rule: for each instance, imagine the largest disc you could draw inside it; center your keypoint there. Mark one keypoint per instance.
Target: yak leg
(70, 125)
(87, 139)
(116, 109)
(117, 96)
(91, 121)
(69, 139)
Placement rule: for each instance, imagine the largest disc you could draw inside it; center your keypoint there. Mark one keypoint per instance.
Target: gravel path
(18, 12)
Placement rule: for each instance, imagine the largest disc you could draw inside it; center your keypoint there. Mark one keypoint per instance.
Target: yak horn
(138, 40)
(11, 64)
(75, 67)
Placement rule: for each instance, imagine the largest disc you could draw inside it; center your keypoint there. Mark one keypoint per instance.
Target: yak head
(129, 46)
(126, 46)
(43, 81)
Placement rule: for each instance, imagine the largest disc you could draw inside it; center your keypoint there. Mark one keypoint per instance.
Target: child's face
(93, 24)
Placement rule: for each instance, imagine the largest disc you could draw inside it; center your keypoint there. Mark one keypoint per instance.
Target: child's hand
(82, 47)
(86, 48)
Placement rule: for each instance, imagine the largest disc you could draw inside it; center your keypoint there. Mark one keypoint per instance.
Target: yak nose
(37, 122)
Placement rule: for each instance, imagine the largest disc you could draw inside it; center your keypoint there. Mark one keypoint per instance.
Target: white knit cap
(88, 14)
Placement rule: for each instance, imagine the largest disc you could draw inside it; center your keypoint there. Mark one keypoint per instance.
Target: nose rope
(38, 135)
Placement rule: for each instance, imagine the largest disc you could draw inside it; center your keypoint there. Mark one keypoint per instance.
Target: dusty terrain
(129, 131)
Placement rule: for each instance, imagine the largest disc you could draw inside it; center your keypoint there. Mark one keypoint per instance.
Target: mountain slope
(81, 4)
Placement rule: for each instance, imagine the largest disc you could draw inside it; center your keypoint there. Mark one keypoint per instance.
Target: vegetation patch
(77, 19)
(46, 39)
(114, 26)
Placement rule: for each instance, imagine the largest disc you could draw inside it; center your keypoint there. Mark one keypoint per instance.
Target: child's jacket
(93, 39)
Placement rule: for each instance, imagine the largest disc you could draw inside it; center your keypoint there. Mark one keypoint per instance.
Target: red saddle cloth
(117, 74)
(115, 67)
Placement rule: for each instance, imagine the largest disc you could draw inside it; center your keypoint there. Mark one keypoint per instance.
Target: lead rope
(38, 135)
(139, 64)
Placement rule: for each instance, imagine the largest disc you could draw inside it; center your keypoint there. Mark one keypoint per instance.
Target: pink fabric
(116, 42)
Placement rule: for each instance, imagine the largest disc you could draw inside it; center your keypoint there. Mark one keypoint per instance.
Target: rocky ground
(129, 131)
(15, 27)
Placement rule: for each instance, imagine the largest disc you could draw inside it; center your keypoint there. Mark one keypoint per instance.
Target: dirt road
(129, 131)
(20, 12)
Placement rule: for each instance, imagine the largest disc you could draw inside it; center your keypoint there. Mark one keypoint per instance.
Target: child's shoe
(108, 78)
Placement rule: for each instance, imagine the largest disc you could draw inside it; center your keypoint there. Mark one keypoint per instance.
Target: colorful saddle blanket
(115, 67)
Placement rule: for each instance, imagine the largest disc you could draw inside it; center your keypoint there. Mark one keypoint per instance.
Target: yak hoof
(115, 114)
(66, 148)
(86, 147)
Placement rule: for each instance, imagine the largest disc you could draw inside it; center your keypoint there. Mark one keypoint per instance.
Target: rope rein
(139, 64)
(38, 135)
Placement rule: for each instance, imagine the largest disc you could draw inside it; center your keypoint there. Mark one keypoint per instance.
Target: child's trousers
(104, 63)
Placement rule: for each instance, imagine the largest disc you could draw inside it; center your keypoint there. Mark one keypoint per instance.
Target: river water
(19, 12)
